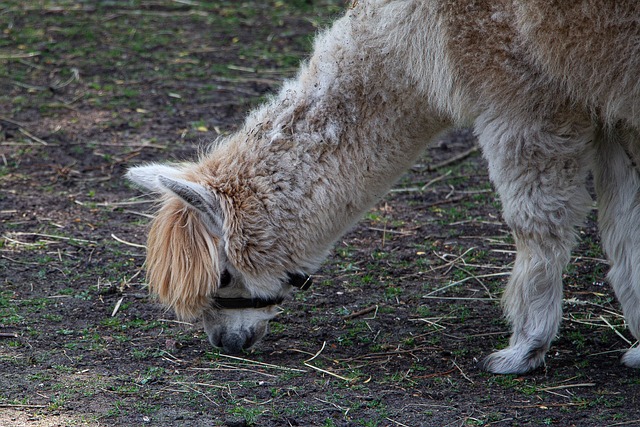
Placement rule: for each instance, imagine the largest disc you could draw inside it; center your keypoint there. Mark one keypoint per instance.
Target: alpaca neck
(332, 144)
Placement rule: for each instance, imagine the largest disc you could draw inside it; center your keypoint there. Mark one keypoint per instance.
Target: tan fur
(539, 80)
(182, 260)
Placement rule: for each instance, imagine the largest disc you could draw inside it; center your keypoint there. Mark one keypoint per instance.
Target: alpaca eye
(225, 279)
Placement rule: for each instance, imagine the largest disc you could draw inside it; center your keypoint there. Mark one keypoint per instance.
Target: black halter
(300, 281)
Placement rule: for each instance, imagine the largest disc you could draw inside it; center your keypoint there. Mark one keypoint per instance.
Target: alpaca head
(200, 257)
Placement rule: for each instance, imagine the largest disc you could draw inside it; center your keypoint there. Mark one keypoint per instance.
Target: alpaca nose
(234, 343)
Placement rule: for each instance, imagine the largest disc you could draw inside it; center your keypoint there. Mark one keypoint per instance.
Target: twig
(361, 312)
(445, 201)
(435, 374)
(462, 372)
(451, 160)
(423, 187)
(8, 335)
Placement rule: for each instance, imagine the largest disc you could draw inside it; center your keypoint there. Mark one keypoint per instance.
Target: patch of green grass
(392, 292)
(51, 317)
(250, 414)
(118, 409)
(9, 313)
(112, 322)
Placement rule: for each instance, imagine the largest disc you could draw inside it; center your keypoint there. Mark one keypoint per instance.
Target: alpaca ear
(163, 179)
(198, 197)
(147, 176)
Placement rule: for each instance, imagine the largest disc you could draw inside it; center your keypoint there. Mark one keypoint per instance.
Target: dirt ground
(399, 315)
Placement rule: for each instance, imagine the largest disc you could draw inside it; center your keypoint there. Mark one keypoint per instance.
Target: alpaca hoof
(632, 358)
(513, 360)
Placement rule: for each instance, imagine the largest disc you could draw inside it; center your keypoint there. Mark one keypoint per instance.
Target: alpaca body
(384, 80)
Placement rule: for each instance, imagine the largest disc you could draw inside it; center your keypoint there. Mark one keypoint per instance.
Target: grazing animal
(552, 89)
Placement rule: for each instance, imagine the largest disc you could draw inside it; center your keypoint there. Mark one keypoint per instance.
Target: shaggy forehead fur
(182, 260)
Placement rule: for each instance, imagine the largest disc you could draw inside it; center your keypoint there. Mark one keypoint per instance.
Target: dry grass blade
(422, 188)
(617, 332)
(117, 307)
(48, 236)
(458, 298)
(625, 423)
(335, 405)
(135, 245)
(262, 364)
(565, 386)
(232, 368)
(450, 264)
(127, 203)
(11, 405)
(433, 321)
(324, 371)
(396, 422)
(190, 389)
(19, 55)
(33, 137)
(481, 276)
(19, 243)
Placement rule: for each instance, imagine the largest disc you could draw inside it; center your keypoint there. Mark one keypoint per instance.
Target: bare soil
(389, 335)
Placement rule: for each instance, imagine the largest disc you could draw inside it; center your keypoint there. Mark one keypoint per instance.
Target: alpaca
(552, 89)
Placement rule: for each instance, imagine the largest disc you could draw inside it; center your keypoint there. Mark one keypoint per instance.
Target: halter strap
(300, 281)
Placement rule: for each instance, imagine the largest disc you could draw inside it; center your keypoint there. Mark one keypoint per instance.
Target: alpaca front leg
(540, 172)
(533, 304)
(618, 188)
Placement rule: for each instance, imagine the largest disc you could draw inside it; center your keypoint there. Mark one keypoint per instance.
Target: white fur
(540, 81)
(618, 187)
